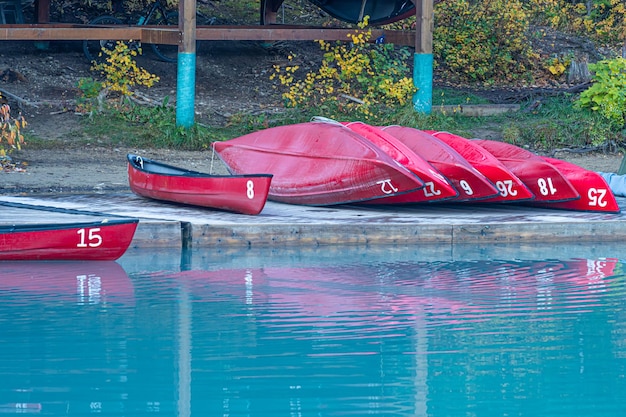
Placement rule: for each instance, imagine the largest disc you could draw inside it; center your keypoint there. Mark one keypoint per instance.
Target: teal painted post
(186, 89)
(423, 81)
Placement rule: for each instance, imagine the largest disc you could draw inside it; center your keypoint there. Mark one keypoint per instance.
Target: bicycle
(156, 14)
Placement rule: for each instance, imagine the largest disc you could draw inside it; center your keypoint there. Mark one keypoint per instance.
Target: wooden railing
(172, 35)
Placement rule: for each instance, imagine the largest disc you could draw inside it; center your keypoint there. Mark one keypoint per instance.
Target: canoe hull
(94, 241)
(317, 163)
(245, 194)
(381, 12)
(471, 184)
(595, 193)
(511, 188)
(541, 177)
(436, 185)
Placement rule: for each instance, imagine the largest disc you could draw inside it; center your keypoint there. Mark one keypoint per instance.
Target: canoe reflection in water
(332, 334)
(85, 282)
(357, 293)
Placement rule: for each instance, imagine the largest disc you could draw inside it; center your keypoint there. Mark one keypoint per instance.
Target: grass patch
(452, 97)
(555, 123)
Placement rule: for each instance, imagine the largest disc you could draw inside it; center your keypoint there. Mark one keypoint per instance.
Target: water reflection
(391, 331)
(91, 282)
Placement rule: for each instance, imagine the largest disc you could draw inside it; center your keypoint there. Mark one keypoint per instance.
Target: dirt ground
(232, 77)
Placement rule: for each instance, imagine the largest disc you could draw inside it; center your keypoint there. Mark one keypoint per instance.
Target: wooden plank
(173, 36)
(424, 22)
(187, 24)
(160, 35)
(294, 33)
(209, 236)
(42, 11)
(47, 33)
(398, 37)
(269, 10)
(477, 110)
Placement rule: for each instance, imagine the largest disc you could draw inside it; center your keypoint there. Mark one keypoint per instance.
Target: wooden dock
(282, 225)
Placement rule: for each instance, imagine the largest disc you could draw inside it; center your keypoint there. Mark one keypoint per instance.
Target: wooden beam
(56, 32)
(294, 33)
(42, 11)
(269, 9)
(187, 25)
(161, 35)
(172, 36)
(425, 25)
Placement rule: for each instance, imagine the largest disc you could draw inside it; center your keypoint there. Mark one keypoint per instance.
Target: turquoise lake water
(417, 331)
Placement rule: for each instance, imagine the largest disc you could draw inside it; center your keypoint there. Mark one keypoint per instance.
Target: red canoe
(436, 186)
(244, 194)
(318, 163)
(595, 193)
(104, 240)
(471, 184)
(541, 177)
(511, 188)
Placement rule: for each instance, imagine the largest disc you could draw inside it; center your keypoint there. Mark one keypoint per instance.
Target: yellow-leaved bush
(121, 72)
(355, 77)
(11, 136)
(482, 41)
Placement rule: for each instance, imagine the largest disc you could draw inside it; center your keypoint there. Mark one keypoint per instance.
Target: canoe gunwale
(179, 172)
(41, 227)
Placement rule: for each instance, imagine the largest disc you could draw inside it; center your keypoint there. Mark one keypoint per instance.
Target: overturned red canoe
(471, 184)
(511, 188)
(104, 240)
(436, 185)
(595, 193)
(380, 12)
(318, 163)
(541, 177)
(244, 194)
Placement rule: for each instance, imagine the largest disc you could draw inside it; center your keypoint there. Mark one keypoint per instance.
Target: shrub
(121, 72)
(604, 21)
(354, 78)
(10, 129)
(482, 41)
(607, 94)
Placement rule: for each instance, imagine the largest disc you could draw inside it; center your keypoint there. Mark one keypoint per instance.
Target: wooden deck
(283, 225)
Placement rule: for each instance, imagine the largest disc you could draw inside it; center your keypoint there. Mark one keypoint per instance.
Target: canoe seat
(159, 169)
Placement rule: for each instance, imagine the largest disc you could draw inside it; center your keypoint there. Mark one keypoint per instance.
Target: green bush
(607, 94)
(600, 20)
